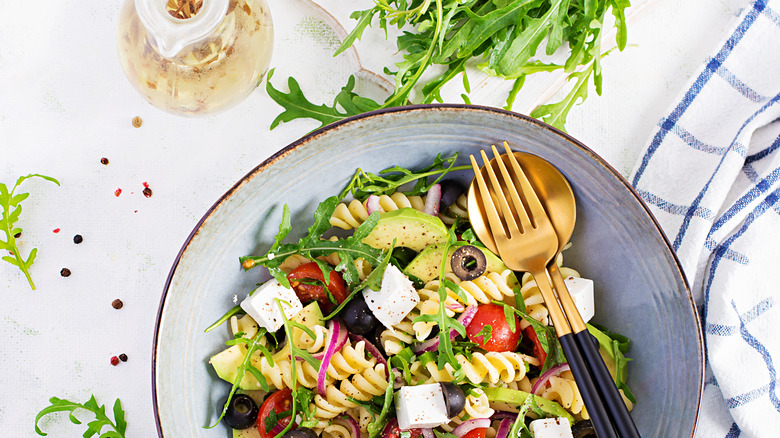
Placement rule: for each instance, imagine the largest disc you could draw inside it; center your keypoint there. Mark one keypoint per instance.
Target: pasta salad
(418, 331)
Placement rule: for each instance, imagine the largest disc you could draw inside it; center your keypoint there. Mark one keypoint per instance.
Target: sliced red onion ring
(371, 348)
(341, 340)
(433, 200)
(554, 371)
(503, 415)
(503, 428)
(372, 204)
(469, 425)
(350, 423)
(432, 344)
(337, 335)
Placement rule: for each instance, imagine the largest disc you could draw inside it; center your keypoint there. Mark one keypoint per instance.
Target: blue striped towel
(711, 176)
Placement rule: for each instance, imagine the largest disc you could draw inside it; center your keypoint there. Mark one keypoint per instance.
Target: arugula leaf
(10, 201)
(391, 179)
(95, 426)
(312, 246)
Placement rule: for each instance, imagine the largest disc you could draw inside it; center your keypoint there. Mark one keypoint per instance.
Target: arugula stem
(236, 309)
(424, 63)
(12, 240)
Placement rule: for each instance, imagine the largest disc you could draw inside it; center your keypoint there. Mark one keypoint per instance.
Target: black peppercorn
(65, 272)
(123, 357)
(77, 239)
(117, 304)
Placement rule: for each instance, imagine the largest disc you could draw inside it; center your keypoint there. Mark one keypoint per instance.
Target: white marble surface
(65, 103)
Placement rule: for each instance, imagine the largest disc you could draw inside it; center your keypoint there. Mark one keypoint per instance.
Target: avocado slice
(410, 228)
(507, 399)
(426, 265)
(251, 432)
(227, 361)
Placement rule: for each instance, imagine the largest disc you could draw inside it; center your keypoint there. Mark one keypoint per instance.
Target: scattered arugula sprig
(442, 319)
(391, 179)
(300, 396)
(503, 37)
(12, 209)
(94, 427)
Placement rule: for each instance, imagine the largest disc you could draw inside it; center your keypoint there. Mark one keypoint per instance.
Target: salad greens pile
(503, 37)
(11, 201)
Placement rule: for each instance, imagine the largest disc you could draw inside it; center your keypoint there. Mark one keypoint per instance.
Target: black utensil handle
(606, 386)
(590, 394)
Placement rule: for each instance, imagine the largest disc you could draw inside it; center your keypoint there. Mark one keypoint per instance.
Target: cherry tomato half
(393, 431)
(539, 352)
(501, 336)
(301, 277)
(278, 402)
(476, 433)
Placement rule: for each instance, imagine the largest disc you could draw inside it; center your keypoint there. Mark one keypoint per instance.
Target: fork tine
(508, 216)
(537, 211)
(511, 186)
(494, 219)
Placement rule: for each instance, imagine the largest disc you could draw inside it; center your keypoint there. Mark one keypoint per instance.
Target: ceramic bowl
(641, 291)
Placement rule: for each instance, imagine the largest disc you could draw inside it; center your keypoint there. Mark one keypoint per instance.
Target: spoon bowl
(554, 192)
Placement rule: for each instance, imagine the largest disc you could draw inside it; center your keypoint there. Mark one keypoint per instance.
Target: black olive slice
(241, 412)
(583, 429)
(301, 432)
(468, 262)
(454, 398)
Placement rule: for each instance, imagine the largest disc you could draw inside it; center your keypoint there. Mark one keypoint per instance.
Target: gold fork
(527, 241)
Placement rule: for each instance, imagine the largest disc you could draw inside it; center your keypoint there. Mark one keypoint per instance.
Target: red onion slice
(349, 422)
(503, 428)
(469, 425)
(433, 200)
(554, 371)
(371, 348)
(340, 342)
(432, 344)
(427, 432)
(372, 204)
(338, 334)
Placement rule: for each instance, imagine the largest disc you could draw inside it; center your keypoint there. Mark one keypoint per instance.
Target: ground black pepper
(117, 304)
(148, 192)
(77, 239)
(65, 272)
(104, 161)
(123, 357)
(18, 235)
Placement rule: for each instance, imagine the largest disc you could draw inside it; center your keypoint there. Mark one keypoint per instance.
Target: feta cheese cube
(581, 290)
(551, 428)
(420, 406)
(394, 300)
(261, 305)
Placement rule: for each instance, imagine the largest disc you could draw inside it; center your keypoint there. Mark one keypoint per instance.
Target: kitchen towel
(711, 176)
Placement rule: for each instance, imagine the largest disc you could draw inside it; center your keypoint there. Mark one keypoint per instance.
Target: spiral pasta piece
(349, 216)
(369, 383)
(563, 390)
(351, 359)
(490, 286)
(494, 367)
(456, 210)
